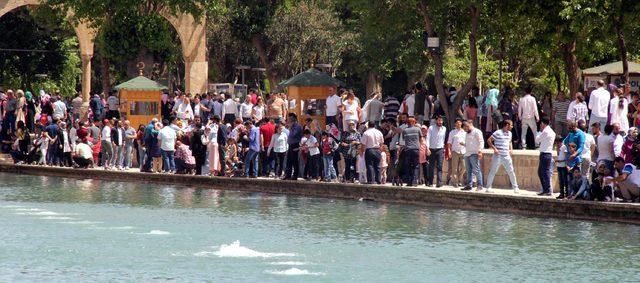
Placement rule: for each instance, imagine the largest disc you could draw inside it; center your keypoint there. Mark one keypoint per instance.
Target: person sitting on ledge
(579, 185)
(83, 155)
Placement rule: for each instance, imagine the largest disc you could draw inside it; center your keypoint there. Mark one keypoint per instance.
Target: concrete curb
(525, 205)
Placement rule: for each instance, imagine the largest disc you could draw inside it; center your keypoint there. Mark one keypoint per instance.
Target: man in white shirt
(246, 109)
(473, 144)
(112, 105)
(167, 137)
(605, 148)
(435, 151)
(545, 138)
(528, 113)
(372, 109)
(628, 179)
(229, 110)
(59, 109)
(331, 108)
(409, 104)
(83, 155)
(372, 139)
(599, 104)
(618, 140)
(587, 150)
(76, 103)
(455, 155)
(106, 148)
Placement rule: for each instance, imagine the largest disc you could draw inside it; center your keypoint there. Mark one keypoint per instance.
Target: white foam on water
(57, 218)
(44, 213)
(113, 228)
(11, 206)
(236, 250)
(84, 222)
(157, 232)
(293, 271)
(28, 209)
(288, 263)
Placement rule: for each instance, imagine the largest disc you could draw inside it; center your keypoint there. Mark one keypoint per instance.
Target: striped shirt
(502, 141)
(578, 112)
(391, 108)
(560, 108)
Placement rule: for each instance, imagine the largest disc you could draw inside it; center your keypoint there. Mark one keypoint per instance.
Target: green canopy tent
(140, 100)
(308, 92)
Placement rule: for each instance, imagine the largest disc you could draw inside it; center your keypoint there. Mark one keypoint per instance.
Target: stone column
(86, 83)
(196, 76)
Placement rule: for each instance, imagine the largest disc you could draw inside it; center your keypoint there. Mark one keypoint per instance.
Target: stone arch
(85, 35)
(191, 31)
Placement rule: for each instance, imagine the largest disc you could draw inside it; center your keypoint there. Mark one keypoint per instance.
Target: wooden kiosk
(308, 92)
(140, 100)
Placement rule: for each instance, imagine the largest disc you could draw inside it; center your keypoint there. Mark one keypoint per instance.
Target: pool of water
(67, 230)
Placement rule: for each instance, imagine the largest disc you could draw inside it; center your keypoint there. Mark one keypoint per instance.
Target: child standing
(361, 166)
(309, 144)
(385, 159)
(563, 172)
(44, 145)
(329, 146)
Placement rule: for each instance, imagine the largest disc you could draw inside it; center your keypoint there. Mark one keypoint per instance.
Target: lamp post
(258, 72)
(243, 68)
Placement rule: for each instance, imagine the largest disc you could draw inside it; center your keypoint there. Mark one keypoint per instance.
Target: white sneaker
(487, 190)
(516, 191)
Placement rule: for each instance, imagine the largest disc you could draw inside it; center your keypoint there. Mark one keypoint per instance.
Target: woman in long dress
(618, 110)
(22, 102)
(210, 139)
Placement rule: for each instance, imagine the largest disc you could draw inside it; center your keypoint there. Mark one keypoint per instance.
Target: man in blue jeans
(251, 159)
(167, 138)
(473, 143)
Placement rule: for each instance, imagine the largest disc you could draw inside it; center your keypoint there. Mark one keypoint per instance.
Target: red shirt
(267, 130)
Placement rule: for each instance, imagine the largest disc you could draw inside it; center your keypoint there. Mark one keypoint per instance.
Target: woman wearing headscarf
(491, 104)
(618, 110)
(22, 102)
(30, 112)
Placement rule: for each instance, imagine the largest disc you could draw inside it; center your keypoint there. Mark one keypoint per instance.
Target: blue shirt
(578, 138)
(295, 134)
(502, 141)
(52, 130)
(254, 139)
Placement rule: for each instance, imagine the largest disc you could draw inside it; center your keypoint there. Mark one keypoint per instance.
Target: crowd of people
(399, 141)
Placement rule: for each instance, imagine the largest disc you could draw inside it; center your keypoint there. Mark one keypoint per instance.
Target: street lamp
(243, 68)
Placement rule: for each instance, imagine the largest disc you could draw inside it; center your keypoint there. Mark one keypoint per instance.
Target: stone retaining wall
(533, 206)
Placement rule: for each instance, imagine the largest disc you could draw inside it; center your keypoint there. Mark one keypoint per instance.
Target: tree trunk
(373, 84)
(450, 109)
(106, 76)
(568, 50)
(265, 60)
(622, 46)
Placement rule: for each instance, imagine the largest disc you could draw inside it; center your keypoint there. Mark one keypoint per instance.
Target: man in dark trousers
(295, 136)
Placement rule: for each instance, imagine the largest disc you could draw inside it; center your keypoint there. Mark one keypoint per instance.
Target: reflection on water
(346, 240)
